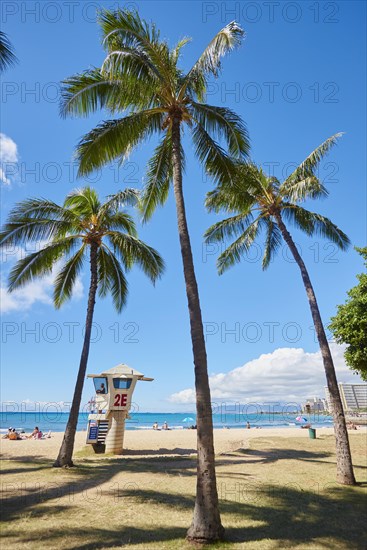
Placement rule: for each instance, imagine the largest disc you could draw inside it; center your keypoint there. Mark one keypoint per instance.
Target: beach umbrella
(188, 419)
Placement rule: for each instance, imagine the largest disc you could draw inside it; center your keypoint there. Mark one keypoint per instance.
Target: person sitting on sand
(14, 435)
(248, 426)
(155, 426)
(165, 426)
(36, 434)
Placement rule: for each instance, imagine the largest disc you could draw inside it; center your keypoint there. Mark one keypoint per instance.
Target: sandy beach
(159, 443)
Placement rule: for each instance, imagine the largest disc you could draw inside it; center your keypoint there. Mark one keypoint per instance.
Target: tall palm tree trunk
(206, 524)
(344, 466)
(66, 450)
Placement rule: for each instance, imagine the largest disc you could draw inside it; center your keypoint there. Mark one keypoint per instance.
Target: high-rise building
(313, 405)
(353, 396)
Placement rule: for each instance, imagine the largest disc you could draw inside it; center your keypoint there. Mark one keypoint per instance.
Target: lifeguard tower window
(100, 384)
(122, 383)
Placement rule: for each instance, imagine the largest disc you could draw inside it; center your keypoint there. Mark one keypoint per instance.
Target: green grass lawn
(276, 494)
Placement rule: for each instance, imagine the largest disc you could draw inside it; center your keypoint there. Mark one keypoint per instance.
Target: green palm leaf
(39, 263)
(132, 251)
(235, 251)
(66, 278)
(115, 139)
(111, 278)
(308, 167)
(230, 227)
(272, 243)
(7, 56)
(210, 60)
(300, 190)
(158, 178)
(316, 224)
(218, 165)
(222, 122)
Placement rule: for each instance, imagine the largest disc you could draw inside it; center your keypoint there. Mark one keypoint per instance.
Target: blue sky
(297, 79)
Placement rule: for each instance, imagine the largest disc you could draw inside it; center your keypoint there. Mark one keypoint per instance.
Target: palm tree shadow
(298, 517)
(273, 455)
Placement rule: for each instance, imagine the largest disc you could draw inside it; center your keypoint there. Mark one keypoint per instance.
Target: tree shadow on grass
(286, 516)
(273, 455)
(289, 515)
(296, 517)
(158, 452)
(95, 538)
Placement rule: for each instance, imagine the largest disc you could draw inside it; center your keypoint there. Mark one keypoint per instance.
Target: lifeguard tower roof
(122, 371)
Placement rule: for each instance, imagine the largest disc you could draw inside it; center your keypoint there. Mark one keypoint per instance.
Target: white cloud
(8, 156)
(286, 374)
(24, 298)
(39, 290)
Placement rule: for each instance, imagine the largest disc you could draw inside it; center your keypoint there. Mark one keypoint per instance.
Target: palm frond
(36, 220)
(115, 139)
(228, 228)
(308, 167)
(83, 202)
(85, 93)
(209, 63)
(223, 123)
(303, 189)
(218, 165)
(312, 223)
(125, 29)
(272, 242)
(231, 198)
(39, 263)
(119, 221)
(66, 278)
(126, 197)
(111, 277)
(7, 56)
(133, 251)
(236, 251)
(158, 178)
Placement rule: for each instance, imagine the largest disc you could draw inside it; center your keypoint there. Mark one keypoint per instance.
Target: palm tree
(7, 56)
(141, 75)
(262, 203)
(82, 226)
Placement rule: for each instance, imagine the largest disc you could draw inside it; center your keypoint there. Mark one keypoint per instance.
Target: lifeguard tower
(110, 407)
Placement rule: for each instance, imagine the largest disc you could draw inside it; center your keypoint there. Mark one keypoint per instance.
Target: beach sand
(158, 443)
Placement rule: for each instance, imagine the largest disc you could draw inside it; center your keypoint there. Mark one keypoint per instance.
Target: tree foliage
(349, 325)
(256, 199)
(66, 233)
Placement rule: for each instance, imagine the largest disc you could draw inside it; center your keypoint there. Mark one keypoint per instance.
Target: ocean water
(56, 422)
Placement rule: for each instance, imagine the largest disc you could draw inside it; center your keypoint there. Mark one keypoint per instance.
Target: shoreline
(140, 443)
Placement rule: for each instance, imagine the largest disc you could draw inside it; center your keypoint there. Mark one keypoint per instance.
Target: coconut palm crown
(141, 77)
(259, 201)
(67, 234)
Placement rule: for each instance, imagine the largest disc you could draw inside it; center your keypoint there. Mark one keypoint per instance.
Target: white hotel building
(353, 396)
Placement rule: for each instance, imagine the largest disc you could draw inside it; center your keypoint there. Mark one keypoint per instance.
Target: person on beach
(248, 426)
(165, 426)
(155, 426)
(6, 436)
(12, 434)
(36, 434)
